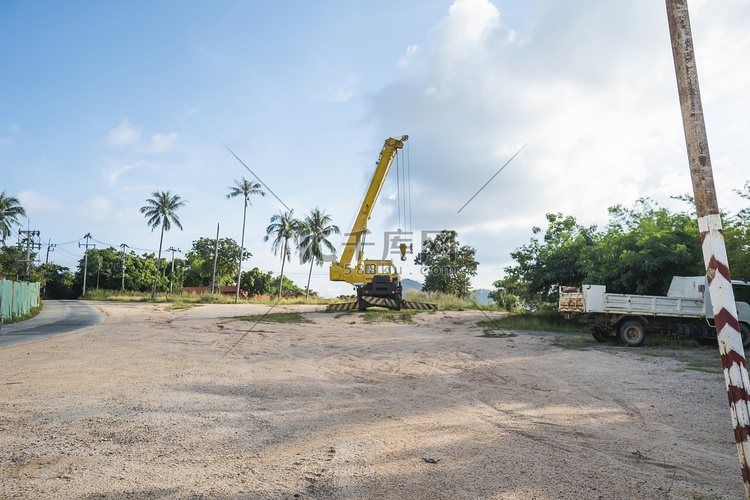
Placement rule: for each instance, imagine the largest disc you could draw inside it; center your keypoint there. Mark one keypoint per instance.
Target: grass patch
(287, 317)
(446, 302)
(194, 298)
(499, 335)
(390, 316)
(539, 322)
(658, 340)
(31, 314)
(706, 366)
(492, 330)
(118, 296)
(575, 342)
(179, 305)
(656, 345)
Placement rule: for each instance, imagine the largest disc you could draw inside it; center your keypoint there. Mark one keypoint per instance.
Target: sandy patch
(156, 403)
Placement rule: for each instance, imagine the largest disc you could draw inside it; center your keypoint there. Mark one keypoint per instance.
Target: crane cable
(408, 185)
(403, 180)
(398, 191)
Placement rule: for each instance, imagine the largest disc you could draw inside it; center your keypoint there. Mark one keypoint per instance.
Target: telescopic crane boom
(377, 281)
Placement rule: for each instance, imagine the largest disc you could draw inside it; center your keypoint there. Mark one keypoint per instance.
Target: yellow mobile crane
(377, 281)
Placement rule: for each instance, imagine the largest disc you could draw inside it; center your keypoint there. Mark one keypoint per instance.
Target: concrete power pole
(31, 244)
(216, 258)
(712, 237)
(171, 277)
(123, 245)
(50, 248)
(86, 260)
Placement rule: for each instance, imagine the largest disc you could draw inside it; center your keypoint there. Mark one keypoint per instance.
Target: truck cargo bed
(595, 299)
(651, 305)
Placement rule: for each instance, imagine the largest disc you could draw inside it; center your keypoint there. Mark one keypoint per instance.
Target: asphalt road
(57, 316)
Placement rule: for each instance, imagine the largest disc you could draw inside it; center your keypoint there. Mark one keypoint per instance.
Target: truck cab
(741, 290)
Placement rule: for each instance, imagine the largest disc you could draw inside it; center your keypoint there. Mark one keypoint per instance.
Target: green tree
(448, 265)
(246, 189)
(56, 282)
(314, 233)
(737, 237)
(10, 211)
(255, 282)
(289, 285)
(283, 227)
(104, 269)
(12, 262)
(161, 211)
(200, 262)
(504, 296)
(639, 251)
(542, 265)
(140, 272)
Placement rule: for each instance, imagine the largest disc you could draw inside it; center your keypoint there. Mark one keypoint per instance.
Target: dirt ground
(153, 403)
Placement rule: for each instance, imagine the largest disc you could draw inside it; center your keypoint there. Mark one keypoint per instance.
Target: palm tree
(10, 210)
(245, 188)
(316, 229)
(283, 227)
(160, 211)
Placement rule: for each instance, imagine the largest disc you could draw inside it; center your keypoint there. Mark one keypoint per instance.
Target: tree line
(112, 269)
(638, 251)
(448, 264)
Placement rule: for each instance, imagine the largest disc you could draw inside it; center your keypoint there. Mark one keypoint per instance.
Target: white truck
(685, 311)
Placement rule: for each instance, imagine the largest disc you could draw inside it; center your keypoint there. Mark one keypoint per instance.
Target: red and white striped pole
(712, 236)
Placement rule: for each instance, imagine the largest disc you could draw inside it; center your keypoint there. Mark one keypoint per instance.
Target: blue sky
(103, 103)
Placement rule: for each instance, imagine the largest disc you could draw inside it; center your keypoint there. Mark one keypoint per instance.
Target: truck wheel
(745, 332)
(632, 333)
(708, 340)
(598, 335)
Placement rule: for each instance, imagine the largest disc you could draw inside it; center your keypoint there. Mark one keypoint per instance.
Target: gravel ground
(153, 403)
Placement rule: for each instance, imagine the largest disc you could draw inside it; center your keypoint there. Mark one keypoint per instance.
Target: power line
(69, 242)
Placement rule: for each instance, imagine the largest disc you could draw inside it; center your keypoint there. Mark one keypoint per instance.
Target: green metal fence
(17, 298)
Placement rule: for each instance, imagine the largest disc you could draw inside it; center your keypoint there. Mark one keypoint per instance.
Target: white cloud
(115, 170)
(470, 19)
(161, 143)
(97, 209)
(126, 135)
(339, 89)
(36, 204)
(12, 134)
(589, 86)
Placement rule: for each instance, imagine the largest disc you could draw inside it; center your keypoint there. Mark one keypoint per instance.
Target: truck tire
(745, 332)
(599, 335)
(631, 333)
(707, 340)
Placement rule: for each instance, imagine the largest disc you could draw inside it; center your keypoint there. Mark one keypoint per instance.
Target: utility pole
(242, 248)
(123, 245)
(86, 260)
(31, 242)
(50, 248)
(171, 278)
(98, 271)
(712, 236)
(216, 257)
